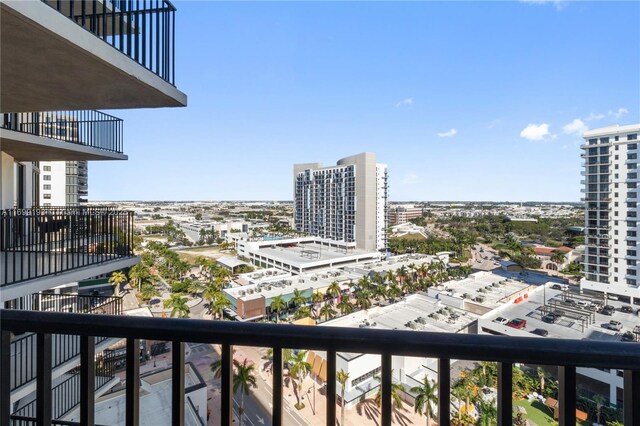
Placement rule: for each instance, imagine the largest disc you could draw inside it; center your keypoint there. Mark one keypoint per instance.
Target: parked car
(540, 332)
(614, 325)
(517, 323)
(607, 310)
(501, 320)
(558, 287)
(583, 303)
(569, 302)
(626, 309)
(611, 297)
(550, 318)
(628, 337)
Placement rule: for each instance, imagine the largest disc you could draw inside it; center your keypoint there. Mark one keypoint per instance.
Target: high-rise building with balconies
(60, 61)
(346, 202)
(611, 212)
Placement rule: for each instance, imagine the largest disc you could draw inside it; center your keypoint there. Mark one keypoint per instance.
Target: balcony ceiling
(26, 147)
(51, 63)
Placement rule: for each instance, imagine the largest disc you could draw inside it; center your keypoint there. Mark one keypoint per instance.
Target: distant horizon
(291, 201)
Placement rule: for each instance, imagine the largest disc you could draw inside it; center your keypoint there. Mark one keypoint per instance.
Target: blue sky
(463, 101)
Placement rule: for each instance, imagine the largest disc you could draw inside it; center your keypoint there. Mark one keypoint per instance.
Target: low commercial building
(303, 254)
(576, 318)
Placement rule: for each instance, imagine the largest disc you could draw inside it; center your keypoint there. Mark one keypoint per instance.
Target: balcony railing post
(227, 386)
(132, 416)
(567, 395)
(444, 391)
(177, 383)
(631, 397)
(5, 377)
(87, 380)
(386, 404)
(43, 379)
(277, 386)
(505, 397)
(331, 388)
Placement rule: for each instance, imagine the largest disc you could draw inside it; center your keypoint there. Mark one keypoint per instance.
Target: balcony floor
(68, 266)
(50, 63)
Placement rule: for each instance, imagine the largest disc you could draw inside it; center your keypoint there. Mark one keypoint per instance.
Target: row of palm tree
(361, 295)
(244, 379)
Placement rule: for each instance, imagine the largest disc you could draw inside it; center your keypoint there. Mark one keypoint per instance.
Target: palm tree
(333, 290)
(541, 377)
(362, 299)
(178, 305)
(138, 273)
(426, 398)
(345, 306)
(302, 312)
(298, 298)
(558, 257)
(458, 392)
(219, 304)
(243, 380)
(277, 304)
(327, 312)
(299, 369)
(342, 377)
(117, 278)
(396, 388)
(316, 299)
(599, 400)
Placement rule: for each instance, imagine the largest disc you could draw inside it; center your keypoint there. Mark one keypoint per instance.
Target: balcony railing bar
(504, 350)
(41, 242)
(88, 128)
(142, 30)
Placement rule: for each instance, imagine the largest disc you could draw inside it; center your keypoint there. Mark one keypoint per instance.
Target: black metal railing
(66, 394)
(87, 304)
(88, 128)
(144, 30)
(44, 241)
(506, 351)
(65, 347)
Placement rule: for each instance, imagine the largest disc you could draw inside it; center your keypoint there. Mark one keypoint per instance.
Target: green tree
(302, 312)
(117, 278)
(541, 376)
(426, 398)
(316, 299)
(363, 299)
(299, 369)
(333, 290)
(244, 379)
(219, 304)
(599, 401)
(558, 257)
(178, 305)
(327, 311)
(342, 377)
(396, 389)
(298, 298)
(345, 306)
(488, 413)
(277, 304)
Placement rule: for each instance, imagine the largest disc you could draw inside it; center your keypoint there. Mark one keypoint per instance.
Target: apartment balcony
(46, 247)
(84, 54)
(567, 355)
(62, 136)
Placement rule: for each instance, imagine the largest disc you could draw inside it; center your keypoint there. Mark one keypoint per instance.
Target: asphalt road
(255, 413)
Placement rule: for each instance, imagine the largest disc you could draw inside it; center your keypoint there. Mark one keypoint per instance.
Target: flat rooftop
(493, 288)
(566, 327)
(416, 312)
(301, 254)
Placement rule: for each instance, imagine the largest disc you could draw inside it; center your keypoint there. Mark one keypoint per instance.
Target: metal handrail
(506, 351)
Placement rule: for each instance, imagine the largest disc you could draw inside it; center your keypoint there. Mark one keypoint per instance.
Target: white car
(501, 320)
(614, 325)
(582, 303)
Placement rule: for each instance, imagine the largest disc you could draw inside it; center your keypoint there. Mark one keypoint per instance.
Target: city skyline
(456, 111)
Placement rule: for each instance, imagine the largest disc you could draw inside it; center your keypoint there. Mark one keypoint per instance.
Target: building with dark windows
(610, 187)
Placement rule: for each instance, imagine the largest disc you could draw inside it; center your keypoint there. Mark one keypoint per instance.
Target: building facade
(346, 202)
(63, 183)
(611, 212)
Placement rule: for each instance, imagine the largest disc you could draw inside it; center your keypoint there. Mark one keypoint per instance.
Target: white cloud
(407, 101)
(619, 113)
(558, 4)
(411, 179)
(593, 117)
(577, 127)
(535, 132)
(448, 133)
